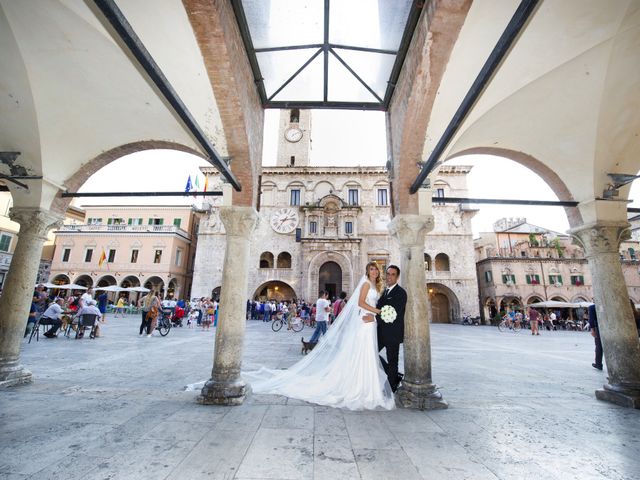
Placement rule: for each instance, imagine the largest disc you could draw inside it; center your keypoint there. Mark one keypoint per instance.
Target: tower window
(382, 197)
(353, 196)
(348, 228)
(292, 161)
(294, 116)
(295, 197)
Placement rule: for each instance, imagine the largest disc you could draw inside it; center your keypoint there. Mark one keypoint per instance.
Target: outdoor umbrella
(136, 289)
(70, 286)
(553, 304)
(111, 288)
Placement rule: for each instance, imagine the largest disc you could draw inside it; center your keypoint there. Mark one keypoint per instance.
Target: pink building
(129, 246)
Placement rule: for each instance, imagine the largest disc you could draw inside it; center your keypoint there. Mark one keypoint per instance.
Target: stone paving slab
(521, 407)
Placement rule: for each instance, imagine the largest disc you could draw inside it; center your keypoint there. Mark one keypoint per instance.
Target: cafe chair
(87, 322)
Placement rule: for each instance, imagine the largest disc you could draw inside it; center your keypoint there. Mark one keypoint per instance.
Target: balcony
(123, 229)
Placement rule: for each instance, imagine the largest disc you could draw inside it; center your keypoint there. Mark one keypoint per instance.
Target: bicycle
(507, 323)
(164, 324)
(296, 325)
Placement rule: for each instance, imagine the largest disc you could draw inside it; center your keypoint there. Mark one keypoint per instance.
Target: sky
(338, 138)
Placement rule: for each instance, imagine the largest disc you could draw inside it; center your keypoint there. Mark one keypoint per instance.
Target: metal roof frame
(326, 49)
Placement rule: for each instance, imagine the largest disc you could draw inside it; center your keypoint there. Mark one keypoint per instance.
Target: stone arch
(445, 306)
(489, 308)
(558, 298)
(130, 281)
(266, 260)
(510, 301)
(284, 260)
(106, 280)
(349, 279)
(61, 279)
(173, 288)
(75, 181)
(534, 299)
(155, 283)
(442, 263)
(552, 179)
(84, 280)
(581, 298)
(215, 293)
(274, 290)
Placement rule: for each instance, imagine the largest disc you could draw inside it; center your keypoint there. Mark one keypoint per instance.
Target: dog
(307, 347)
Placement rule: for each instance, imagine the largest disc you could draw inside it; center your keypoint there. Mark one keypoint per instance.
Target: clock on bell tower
(294, 138)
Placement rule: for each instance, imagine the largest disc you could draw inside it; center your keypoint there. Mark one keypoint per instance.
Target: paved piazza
(521, 407)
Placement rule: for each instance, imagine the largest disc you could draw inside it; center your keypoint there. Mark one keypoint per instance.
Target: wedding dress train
(342, 371)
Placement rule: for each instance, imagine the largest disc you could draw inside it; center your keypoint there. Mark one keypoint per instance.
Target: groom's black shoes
(399, 379)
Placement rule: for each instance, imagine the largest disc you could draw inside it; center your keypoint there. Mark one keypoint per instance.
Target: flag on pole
(197, 183)
(188, 187)
(103, 258)
(206, 182)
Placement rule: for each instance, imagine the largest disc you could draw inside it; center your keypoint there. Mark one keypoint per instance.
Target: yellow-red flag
(103, 258)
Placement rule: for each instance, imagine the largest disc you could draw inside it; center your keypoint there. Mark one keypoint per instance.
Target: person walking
(534, 317)
(595, 333)
(323, 307)
(150, 308)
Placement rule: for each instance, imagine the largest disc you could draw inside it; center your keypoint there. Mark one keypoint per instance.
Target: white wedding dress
(342, 371)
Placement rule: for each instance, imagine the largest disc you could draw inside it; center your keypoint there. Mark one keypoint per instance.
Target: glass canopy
(324, 53)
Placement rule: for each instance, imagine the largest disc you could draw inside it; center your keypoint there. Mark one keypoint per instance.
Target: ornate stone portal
(417, 390)
(616, 323)
(19, 285)
(225, 387)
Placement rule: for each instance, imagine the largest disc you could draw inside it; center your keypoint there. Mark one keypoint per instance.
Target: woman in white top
(344, 369)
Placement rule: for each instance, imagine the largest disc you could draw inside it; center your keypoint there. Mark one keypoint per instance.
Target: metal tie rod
(140, 194)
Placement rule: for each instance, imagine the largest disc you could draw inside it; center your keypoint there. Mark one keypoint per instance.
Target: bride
(344, 369)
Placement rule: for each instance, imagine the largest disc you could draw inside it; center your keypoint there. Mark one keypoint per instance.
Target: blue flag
(189, 186)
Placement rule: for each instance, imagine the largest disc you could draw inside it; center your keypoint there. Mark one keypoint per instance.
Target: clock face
(284, 220)
(293, 134)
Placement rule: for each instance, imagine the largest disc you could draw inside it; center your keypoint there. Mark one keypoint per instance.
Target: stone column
(618, 332)
(18, 289)
(417, 390)
(225, 387)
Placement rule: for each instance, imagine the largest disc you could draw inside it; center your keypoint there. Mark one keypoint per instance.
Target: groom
(391, 335)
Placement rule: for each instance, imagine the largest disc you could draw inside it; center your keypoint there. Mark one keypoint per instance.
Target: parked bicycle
(294, 324)
(508, 324)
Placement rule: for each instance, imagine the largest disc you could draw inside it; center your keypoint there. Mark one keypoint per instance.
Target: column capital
(601, 237)
(239, 221)
(35, 222)
(410, 229)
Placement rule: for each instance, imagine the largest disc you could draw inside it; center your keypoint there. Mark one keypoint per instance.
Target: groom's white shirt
(391, 288)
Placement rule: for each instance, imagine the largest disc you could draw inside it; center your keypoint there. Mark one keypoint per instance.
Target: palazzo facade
(320, 226)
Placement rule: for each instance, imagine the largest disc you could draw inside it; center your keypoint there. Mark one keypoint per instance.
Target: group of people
(307, 313)
(549, 320)
(47, 309)
(202, 312)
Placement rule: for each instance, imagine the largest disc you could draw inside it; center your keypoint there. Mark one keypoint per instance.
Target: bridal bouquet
(388, 314)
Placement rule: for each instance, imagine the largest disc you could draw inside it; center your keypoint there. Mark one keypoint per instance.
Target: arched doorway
(445, 307)
(274, 290)
(155, 283)
(84, 280)
(172, 289)
(215, 293)
(130, 281)
(330, 278)
(61, 280)
(106, 281)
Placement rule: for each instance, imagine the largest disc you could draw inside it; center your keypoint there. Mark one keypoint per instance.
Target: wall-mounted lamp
(618, 180)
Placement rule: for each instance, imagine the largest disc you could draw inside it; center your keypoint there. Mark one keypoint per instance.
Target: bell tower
(294, 138)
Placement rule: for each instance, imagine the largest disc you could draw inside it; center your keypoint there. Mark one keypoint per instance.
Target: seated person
(51, 316)
(90, 309)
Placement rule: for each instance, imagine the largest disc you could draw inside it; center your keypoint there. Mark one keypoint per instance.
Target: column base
(623, 395)
(222, 393)
(420, 397)
(12, 374)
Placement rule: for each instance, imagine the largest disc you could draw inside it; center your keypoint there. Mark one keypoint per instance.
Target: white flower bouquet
(388, 314)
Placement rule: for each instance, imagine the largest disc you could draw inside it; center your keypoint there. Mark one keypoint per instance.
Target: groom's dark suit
(391, 335)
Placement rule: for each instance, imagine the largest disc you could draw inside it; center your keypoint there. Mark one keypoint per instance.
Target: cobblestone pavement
(115, 408)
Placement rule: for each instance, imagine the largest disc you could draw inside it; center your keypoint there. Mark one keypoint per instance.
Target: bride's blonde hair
(378, 278)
